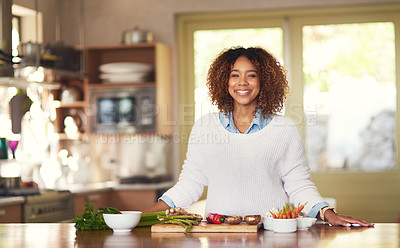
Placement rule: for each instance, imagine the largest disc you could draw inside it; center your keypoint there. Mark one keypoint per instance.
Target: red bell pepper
(215, 218)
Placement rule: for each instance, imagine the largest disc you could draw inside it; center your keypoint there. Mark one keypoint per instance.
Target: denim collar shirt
(258, 122)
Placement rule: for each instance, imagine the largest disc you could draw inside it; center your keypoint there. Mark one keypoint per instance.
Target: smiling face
(244, 83)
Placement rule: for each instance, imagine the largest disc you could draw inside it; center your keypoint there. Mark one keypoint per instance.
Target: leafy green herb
(91, 220)
(108, 210)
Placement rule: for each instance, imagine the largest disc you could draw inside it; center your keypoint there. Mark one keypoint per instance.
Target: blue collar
(258, 122)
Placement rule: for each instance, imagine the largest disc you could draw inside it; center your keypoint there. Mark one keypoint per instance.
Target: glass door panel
(350, 96)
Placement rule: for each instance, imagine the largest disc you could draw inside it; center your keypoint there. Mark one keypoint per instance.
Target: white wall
(49, 10)
(105, 20)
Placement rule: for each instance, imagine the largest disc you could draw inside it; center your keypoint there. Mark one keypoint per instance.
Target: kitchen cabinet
(98, 198)
(126, 199)
(133, 199)
(156, 54)
(11, 213)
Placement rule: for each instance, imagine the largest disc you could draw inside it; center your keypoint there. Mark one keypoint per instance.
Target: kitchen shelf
(120, 85)
(77, 104)
(156, 54)
(63, 136)
(22, 83)
(142, 53)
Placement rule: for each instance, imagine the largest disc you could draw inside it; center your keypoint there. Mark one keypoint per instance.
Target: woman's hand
(158, 206)
(340, 220)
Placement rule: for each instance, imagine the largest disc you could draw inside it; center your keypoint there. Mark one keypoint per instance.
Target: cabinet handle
(2, 212)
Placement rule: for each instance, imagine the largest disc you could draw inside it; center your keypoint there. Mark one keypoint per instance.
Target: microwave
(122, 110)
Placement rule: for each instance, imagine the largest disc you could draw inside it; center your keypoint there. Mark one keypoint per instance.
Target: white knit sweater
(245, 173)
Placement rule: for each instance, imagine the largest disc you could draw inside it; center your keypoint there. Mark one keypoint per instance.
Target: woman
(251, 159)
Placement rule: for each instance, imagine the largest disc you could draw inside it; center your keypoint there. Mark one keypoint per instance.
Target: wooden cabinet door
(99, 199)
(11, 214)
(133, 199)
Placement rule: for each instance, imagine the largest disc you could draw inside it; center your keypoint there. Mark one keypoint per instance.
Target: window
(350, 96)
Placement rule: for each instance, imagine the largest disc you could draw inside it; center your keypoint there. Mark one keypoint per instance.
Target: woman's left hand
(340, 220)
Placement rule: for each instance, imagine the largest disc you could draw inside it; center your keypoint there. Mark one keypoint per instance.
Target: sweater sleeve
(192, 180)
(295, 173)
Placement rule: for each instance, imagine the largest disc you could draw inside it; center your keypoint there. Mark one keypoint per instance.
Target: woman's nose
(243, 81)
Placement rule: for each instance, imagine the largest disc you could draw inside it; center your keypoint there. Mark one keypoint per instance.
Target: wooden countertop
(112, 185)
(65, 235)
(11, 200)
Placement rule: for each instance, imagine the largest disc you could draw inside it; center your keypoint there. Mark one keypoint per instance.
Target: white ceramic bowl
(284, 225)
(268, 223)
(122, 222)
(303, 223)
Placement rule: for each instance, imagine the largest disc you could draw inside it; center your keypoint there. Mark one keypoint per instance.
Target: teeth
(242, 91)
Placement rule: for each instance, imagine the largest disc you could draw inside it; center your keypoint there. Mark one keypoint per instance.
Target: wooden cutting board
(205, 227)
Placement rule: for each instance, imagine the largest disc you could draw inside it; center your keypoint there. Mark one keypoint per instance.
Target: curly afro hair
(273, 82)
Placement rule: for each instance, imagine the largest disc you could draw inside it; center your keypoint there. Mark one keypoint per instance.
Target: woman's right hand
(340, 220)
(158, 206)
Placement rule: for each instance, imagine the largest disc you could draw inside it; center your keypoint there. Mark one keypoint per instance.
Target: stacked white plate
(126, 72)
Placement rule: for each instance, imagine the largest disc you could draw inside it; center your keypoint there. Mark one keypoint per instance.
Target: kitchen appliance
(10, 182)
(71, 94)
(136, 35)
(30, 53)
(49, 206)
(60, 56)
(144, 179)
(13, 186)
(122, 110)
